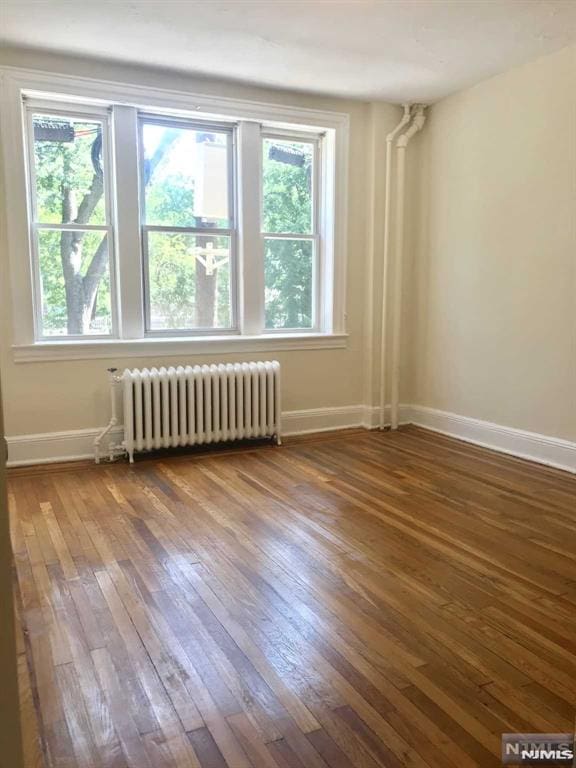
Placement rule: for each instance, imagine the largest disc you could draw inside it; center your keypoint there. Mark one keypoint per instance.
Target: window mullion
(251, 246)
(129, 259)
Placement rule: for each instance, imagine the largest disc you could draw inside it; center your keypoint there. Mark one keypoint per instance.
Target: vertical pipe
(403, 141)
(397, 289)
(386, 258)
(128, 394)
(113, 380)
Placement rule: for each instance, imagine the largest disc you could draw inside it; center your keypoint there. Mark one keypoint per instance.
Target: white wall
(494, 276)
(57, 396)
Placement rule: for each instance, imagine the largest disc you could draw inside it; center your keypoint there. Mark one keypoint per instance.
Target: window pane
(189, 281)
(288, 275)
(75, 283)
(185, 176)
(287, 186)
(69, 170)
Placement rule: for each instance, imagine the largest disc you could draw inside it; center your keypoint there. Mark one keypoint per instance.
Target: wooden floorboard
(363, 599)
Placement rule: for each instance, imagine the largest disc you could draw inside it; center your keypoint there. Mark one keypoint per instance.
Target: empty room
(288, 383)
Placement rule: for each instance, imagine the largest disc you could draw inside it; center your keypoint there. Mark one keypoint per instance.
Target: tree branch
(90, 199)
(95, 271)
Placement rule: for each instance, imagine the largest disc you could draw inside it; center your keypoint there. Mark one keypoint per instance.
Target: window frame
(33, 107)
(87, 93)
(191, 123)
(315, 236)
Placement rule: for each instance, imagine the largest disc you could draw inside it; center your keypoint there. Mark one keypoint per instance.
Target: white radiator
(172, 407)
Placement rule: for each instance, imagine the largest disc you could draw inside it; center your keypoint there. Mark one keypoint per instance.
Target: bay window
(170, 225)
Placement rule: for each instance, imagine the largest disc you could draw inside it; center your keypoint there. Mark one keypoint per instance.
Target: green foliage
(286, 191)
(170, 199)
(287, 208)
(288, 283)
(171, 268)
(173, 280)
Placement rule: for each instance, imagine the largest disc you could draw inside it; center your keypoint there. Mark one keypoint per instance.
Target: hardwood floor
(361, 599)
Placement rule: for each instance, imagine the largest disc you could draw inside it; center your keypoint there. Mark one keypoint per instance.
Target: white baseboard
(371, 418)
(322, 419)
(533, 446)
(53, 447)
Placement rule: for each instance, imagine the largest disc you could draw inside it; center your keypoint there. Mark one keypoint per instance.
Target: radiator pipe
(416, 125)
(386, 258)
(114, 381)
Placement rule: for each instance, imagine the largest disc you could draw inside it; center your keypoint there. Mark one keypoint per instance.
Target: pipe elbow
(419, 121)
(416, 125)
(404, 121)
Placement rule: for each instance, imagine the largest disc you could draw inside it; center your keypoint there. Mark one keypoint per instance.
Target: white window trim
(15, 83)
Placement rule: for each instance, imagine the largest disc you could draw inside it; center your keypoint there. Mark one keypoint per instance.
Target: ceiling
(397, 50)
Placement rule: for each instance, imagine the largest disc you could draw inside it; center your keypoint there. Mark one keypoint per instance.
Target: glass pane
(189, 281)
(287, 186)
(69, 170)
(185, 176)
(75, 283)
(288, 274)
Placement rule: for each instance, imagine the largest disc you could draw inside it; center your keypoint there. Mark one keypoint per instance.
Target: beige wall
(494, 280)
(490, 277)
(379, 125)
(58, 396)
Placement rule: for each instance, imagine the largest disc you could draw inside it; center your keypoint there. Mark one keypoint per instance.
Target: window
(172, 222)
(290, 232)
(188, 231)
(71, 227)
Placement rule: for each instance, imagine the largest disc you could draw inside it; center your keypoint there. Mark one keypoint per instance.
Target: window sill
(116, 349)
